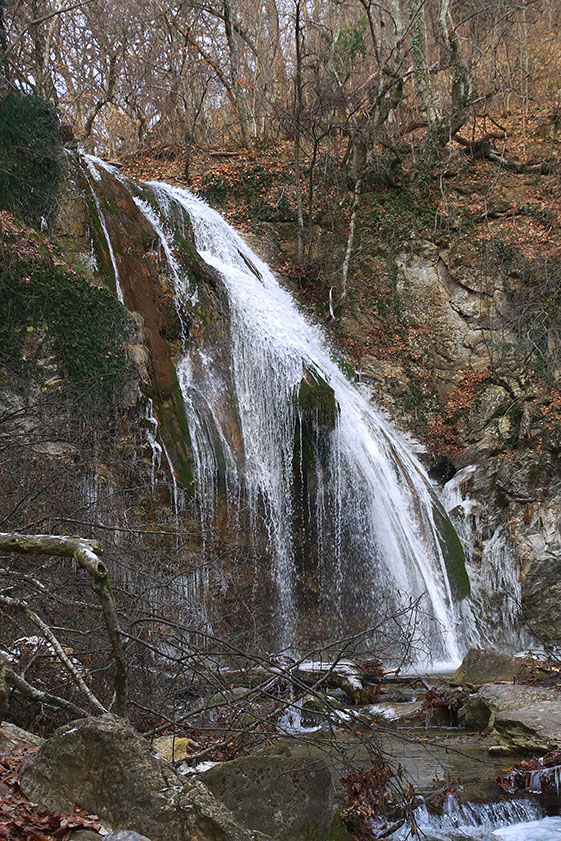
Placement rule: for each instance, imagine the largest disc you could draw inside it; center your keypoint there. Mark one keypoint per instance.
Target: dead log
(483, 148)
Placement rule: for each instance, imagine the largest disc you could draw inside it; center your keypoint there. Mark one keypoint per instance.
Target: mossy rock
(316, 710)
(286, 791)
(316, 399)
(31, 143)
(453, 553)
(87, 328)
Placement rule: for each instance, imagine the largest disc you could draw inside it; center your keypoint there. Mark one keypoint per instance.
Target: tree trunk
(297, 132)
(234, 75)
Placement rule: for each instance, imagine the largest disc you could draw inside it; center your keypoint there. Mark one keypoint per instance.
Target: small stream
(432, 755)
(510, 820)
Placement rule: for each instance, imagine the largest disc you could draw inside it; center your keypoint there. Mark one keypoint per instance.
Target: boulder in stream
(535, 728)
(522, 718)
(495, 699)
(286, 791)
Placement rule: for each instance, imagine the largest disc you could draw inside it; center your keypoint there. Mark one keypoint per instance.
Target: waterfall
(318, 475)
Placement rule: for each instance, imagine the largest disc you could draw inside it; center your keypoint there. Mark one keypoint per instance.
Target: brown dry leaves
(25, 243)
(20, 819)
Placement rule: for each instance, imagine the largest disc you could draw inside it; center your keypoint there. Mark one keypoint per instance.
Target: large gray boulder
(286, 791)
(494, 699)
(534, 728)
(103, 765)
(521, 718)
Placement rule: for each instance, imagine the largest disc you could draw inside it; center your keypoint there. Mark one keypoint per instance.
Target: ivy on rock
(87, 326)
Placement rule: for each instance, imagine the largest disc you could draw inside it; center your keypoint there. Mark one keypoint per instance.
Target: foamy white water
(509, 820)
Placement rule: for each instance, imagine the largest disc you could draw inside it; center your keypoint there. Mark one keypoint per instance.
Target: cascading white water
(510, 820)
(375, 516)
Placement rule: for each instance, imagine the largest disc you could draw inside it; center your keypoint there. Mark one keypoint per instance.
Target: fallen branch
(483, 148)
(542, 167)
(86, 554)
(8, 601)
(10, 678)
(480, 148)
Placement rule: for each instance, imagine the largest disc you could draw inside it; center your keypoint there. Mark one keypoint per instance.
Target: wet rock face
(123, 835)
(79, 230)
(521, 718)
(106, 767)
(494, 702)
(148, 293)
(534, 728)
(460, 319)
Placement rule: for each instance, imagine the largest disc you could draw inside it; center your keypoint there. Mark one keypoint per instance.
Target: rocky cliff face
(501, 418)
(500, 421)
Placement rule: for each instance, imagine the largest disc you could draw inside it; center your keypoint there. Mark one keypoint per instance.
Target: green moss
(98, 238)
(453, 553)
(336, 832)
(399, 214)
(344, 366)
(30, 157)
(174, 428)
(319, 412)
(316, 398)
(214, 189)
(179, 404)
(87, 326)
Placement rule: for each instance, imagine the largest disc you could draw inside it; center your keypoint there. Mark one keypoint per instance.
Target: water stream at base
(508, 820)
(373, 509)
